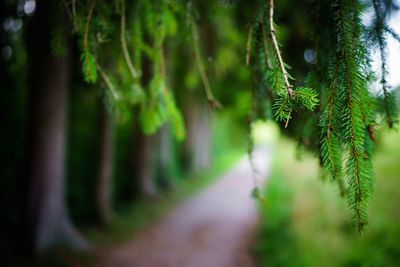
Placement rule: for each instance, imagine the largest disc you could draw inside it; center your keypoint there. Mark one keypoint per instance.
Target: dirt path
(212, 229)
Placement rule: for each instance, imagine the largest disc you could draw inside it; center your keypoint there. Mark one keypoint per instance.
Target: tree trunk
(105, 165)
(143, 162)
(165, 159)
(143, 150)
(48, 220)
(197, 144)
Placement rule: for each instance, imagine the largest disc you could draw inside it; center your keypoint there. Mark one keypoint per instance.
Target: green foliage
(282, 108)
(306, 98)
(276, 242)
(89, 68)
(336, 94)
(175, 118)
(332, 111)
(274, 71)
(119, 52)
(377, 36)
(318, 226)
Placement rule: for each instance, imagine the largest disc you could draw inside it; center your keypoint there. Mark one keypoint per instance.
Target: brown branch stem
(125, 51)
(196, 49)
(248, 46)
(86, 34)
(285, 74)
(108, 82)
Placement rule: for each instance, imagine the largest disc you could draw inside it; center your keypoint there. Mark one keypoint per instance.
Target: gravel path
(212, 229)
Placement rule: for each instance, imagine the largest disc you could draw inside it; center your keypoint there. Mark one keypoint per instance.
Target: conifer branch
(125, 51)
(358, 167)
(330, 146)
(392, 32)
(379, 31)
(358, 197)
(285, 74)
(248, 46)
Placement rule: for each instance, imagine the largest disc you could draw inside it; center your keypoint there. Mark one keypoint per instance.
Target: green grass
(306, 223)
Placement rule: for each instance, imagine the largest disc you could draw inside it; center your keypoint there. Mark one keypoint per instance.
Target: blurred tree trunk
(165, 161)
(197, 144)
(48, 222)
(105, 165)
(143, 149)
(143, 162)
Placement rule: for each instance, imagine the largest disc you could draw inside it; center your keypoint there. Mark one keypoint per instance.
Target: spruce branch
(379, 31)
(285, 74)
(358, 167)
(124, 45)
(330, 145)
(392, 32)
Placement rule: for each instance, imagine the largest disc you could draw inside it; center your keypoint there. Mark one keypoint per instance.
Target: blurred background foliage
(304, 223)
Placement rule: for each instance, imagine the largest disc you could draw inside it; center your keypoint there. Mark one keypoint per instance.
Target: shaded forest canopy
(157, 70)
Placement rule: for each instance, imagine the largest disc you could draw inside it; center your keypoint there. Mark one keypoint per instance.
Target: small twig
(108, 82)
(196, 50)
(71, 15)
(254, 171)
(67, 9)
(86, 34)
(248, 47)
(287, 121)
(124, 45)
(250, 150)
(394, 34)
(285, 74)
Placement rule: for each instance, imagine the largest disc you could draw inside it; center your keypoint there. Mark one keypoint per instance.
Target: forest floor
(215, 227)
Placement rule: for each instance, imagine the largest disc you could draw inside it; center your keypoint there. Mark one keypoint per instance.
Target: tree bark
(48, 77)
(105, 166)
